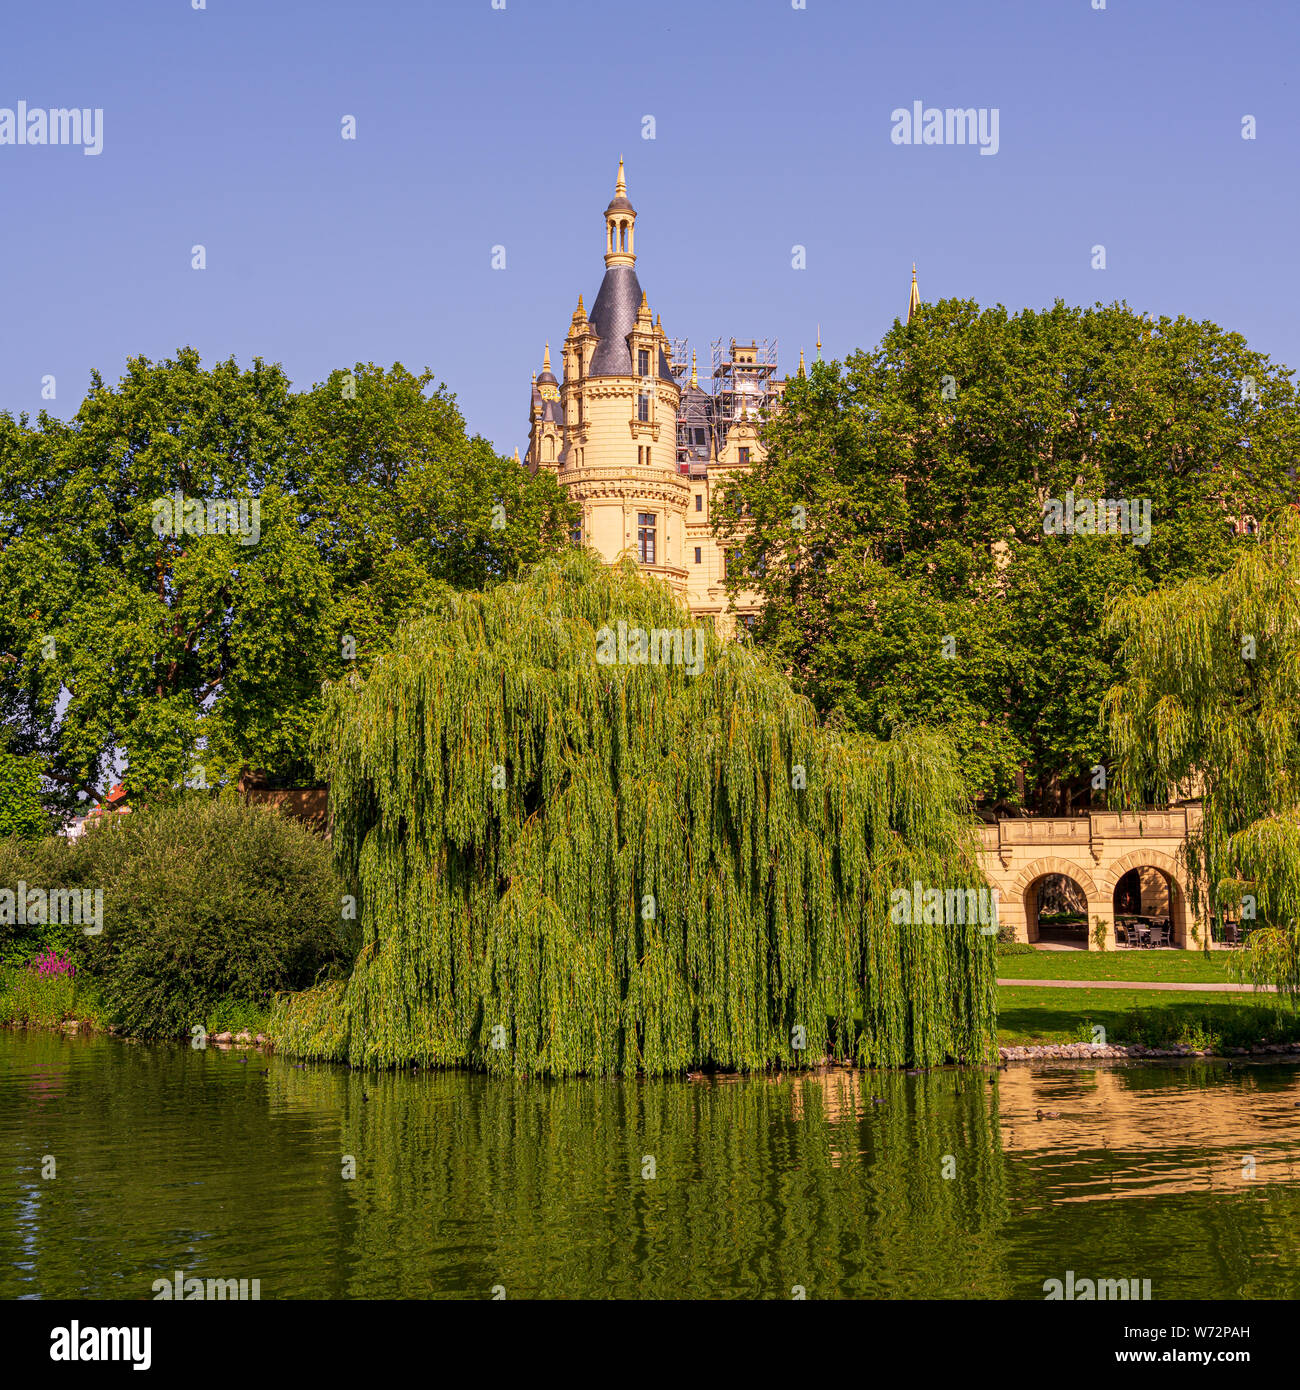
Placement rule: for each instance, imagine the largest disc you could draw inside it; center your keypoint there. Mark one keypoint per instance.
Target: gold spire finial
(695, 379)
(581, 310)
(914, 299)
(621, 185)
(819, 342)
(516, 453)
(546, 359)
(802, 369)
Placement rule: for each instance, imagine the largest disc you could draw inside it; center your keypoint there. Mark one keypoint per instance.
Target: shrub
(51, 862)
(208, 905)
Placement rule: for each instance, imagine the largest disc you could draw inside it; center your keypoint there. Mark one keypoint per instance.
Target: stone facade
(1094, 852)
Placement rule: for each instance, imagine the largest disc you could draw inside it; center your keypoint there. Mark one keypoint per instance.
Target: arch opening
(1056, 912)
(1147, 909)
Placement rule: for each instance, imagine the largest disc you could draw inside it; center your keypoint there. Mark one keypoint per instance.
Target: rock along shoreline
(1107, 1051)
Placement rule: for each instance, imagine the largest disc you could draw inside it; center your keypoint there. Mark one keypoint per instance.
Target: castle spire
(695, 379)
(803, 371)
(546, 359)
(819, 342)
(914, 300)
(620, 225)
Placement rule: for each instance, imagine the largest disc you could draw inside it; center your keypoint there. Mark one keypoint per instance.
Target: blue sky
(479, 127)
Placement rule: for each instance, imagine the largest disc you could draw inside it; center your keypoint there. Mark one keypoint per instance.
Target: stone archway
(1023, 904)
(1179, 910)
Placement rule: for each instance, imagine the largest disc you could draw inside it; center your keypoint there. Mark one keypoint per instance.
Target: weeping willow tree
(1211, 699)
(568, 862)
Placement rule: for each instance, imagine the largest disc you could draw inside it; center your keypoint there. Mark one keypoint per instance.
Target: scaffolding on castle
(741, 387)
(679, 358)
(742, 382)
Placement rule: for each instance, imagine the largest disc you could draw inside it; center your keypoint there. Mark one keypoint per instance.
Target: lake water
(171, 1159)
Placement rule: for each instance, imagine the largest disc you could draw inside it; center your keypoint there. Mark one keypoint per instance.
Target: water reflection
(867, 1185)
(1127, 1132)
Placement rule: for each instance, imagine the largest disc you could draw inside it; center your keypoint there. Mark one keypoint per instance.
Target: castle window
(699, 501)
(744, 455)
(643, 407)
(575, 533)
(645, 537)
(697, 554)
(642, 362)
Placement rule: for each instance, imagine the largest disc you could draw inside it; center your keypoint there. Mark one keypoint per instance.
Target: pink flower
(51, 963)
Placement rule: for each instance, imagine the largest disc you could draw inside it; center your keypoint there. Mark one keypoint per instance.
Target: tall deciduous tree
(895, 530)
(21, 811)
(131, 624)
(1211, 700)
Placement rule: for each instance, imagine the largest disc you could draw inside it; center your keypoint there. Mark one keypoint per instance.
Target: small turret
(620, 225)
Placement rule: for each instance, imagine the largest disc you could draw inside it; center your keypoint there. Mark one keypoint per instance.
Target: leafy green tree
(136, 620)
(1210, 702)
(21, 811)
(895, 530)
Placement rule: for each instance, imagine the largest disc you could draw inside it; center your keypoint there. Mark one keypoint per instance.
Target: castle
(640, 446)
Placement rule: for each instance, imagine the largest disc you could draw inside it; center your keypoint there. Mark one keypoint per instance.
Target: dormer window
(642, 362)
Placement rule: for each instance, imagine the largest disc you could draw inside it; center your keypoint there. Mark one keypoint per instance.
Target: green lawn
(1176, 967)
(1029, 1017)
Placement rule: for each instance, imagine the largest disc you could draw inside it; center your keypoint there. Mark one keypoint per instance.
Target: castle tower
(616, 447)
(545, 420)
(639, 449)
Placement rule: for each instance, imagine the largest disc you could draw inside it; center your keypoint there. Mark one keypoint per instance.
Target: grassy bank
(33, 1000)
(1159, 967)
(1030, 1017)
